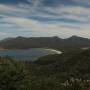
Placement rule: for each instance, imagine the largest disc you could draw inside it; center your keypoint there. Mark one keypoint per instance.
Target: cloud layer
(61, 18)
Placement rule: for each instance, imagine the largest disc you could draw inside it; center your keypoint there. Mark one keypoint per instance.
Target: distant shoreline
(48, 49)
(57, 51)
(1, 49)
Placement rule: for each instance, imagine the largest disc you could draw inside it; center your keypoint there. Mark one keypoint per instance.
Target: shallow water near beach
(29, 54)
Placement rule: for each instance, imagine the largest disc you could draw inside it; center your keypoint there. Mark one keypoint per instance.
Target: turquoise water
(27, 54)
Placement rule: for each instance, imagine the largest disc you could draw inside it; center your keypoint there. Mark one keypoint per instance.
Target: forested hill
(67, 71)
(50, 42)
(74, 64)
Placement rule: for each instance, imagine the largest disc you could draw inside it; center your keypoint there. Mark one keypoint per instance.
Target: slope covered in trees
(69, 71)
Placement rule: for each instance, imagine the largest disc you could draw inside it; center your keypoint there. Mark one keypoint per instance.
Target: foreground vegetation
(69, 71)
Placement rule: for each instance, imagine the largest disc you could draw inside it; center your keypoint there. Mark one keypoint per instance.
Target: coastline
(56, 51)
(48, 49)
(2, 49)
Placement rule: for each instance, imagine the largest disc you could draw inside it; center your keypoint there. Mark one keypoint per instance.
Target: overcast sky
(33, 18)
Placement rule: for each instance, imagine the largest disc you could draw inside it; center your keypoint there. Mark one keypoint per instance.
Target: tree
(12, 74)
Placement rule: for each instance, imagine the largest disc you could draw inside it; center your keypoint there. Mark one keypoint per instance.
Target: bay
(29, 54)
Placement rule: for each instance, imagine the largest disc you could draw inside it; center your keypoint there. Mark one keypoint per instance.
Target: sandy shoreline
(53, 50)
(56, 51)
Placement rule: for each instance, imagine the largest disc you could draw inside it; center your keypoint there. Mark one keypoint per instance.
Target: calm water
(28, 54)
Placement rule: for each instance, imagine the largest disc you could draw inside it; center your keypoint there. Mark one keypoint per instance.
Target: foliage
(76, 84)
(69, 71)
(12, 74)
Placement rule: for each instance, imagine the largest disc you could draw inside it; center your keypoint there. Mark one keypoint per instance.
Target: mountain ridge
(40, 42)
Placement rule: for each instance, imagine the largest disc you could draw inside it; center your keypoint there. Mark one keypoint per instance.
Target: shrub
(12, 74)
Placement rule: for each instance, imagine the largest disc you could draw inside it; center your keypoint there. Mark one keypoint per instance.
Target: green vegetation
(68, 71)
(12, 74)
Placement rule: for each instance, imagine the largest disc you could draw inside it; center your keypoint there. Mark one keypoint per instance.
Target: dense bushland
(69, 71)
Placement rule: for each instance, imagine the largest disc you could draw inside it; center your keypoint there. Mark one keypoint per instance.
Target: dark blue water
(27, 54)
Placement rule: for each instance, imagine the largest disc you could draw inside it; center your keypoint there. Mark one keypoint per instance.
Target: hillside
(75, 64)
(69, 71)
(50, 42)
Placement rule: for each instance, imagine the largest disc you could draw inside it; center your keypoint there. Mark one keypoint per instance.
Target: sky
(44, 18)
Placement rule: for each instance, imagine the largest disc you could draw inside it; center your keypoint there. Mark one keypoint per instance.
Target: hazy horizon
(44, 18)
(43, 37)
